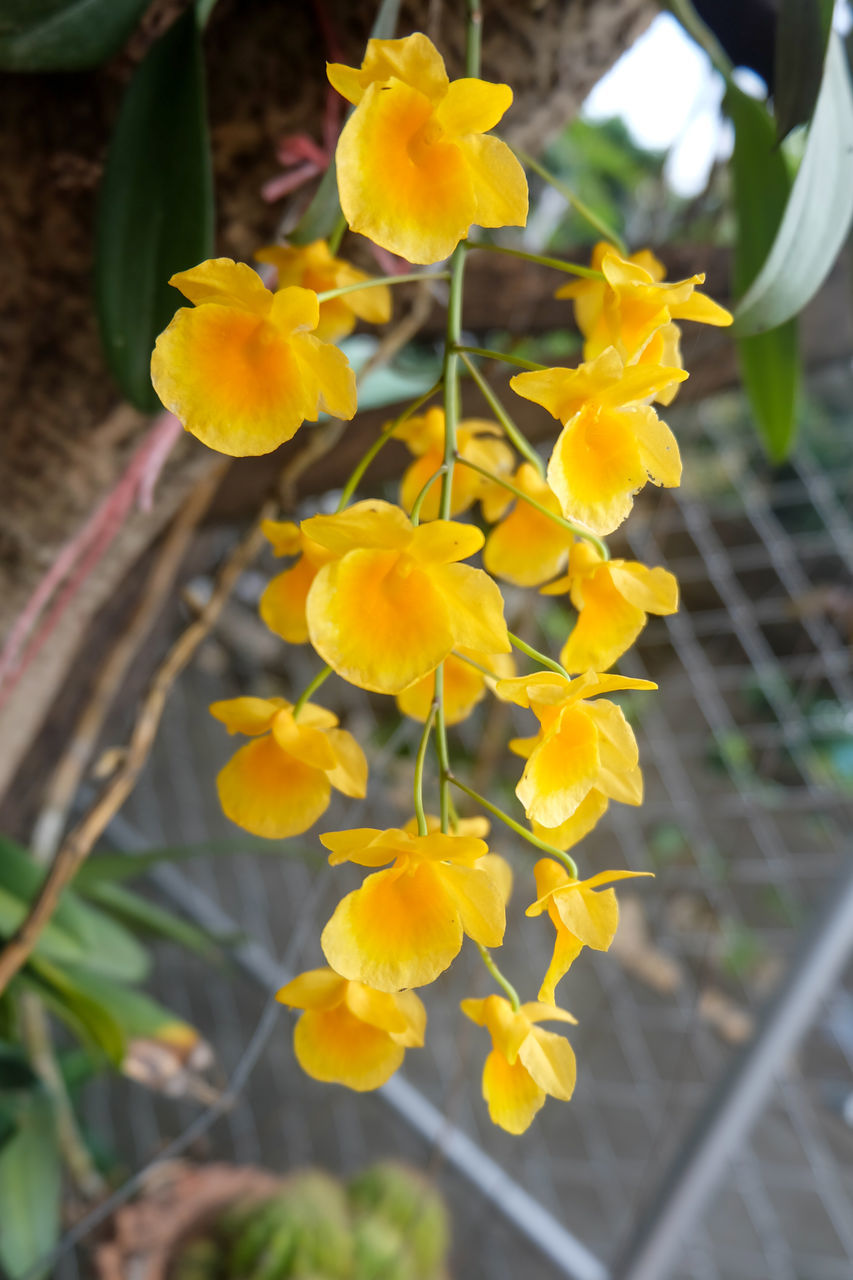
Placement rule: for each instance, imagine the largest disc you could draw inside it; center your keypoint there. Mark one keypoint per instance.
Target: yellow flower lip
(415, 166)
(241, 369)
(405, 925)
(279, 784)
(392, 602)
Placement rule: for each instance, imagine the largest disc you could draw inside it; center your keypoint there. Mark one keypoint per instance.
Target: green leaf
(155, 214)
(321, 217)
(802, 33)
(30, 1181)
(63, 991)
(8, 1125)
(125, 866)
(64, 35)
(15, 1069)
(76, 931)
(769, 362)
(135, 1012)
(818, 211)
(152, 919)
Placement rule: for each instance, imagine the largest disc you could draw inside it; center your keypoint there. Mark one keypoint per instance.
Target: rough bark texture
(67, 437)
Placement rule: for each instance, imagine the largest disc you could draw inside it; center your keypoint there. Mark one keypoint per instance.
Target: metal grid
(745, 822)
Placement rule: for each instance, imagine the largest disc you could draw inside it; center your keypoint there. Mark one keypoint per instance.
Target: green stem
(577, 529)
(379, 443)
(375, 282)
(503, 983)
(567, 861)
(529, 365)
(337, 235)
(442, 751)
(419, 771)
(415, 513)
(471, 663)
(556, 264)
(541, 658)
(578, 205)
(320, 678)
(522, 444)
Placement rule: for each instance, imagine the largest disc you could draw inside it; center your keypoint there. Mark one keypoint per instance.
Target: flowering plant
(386, 593)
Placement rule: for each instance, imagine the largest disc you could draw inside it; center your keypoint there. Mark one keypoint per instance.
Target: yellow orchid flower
(613, 599)
(424, 437)
(464, 685)
(525, 548)
(612, 441)
(282, 604)
(242, 370)
(633, 303)
(587, 816)
(584, 914)
(350, 1034)
(393, 602)
(415, 167)
(582, 746)
(405, 925)
(281, 783)
(313, 266)
(526, 1064)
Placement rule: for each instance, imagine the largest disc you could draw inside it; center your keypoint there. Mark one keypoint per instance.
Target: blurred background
(711, 1133)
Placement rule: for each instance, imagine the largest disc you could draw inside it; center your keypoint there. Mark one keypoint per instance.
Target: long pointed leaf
(155, 214)
(769, 361)
(64, 35)
(802, 33)
(817, 214)
(30, 1179)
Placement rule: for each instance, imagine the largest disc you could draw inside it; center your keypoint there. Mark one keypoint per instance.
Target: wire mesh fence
(748, 762)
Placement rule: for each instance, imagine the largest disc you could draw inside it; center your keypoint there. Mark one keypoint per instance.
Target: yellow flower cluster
(386, 596)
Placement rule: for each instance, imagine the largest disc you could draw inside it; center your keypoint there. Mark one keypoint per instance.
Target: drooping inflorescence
(388, 597)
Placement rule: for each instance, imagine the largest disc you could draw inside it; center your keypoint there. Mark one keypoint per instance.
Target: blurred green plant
(387, 1223)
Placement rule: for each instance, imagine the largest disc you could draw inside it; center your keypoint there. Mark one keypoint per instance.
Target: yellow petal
(379, 621)
(445, 541)
(473, 106)
(596, 467)
(567, 948)
(231, 378)
(654, 590)
(366, 846)
(247, 715)
(282, 604)
(541, 687)
(507, 1027)
(498, 870)
(397, 931)
(326, 375)
(565, 392)
(658, 448)
(283, 536)
(401, 183)
(270, 793)
(295, 310)
(550, 1060)
(349, 774)
(479, 901)
(316, 716)
(372, 523)
(304, 742)
(526, 548)
(607, 626)
(582, 821)
(338, 1048)
(541, 1011)
(590, 916)
(378, 1008)
(414, 60)
(512, 1095)
(316, 989)
(497, 180)
(701, 308)
(617, 745)
(464, 686)
(475, 607)
(561, 771)
(416, 476)
(223, 279)
(414, 1013)
(626, 787)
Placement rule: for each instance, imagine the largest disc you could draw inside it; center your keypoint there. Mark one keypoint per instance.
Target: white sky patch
(669, 96)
